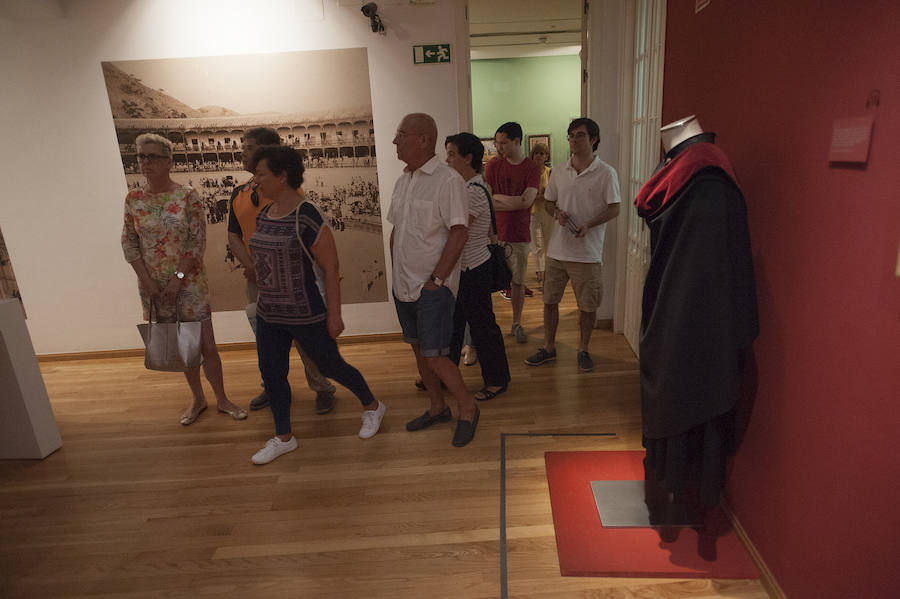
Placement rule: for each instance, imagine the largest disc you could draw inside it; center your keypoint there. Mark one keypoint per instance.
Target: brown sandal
(191, 418)
(235, 412)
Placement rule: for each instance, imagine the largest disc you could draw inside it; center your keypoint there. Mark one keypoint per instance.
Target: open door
(645, 101)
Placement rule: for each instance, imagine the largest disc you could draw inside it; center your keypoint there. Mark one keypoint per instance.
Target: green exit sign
(431, 54)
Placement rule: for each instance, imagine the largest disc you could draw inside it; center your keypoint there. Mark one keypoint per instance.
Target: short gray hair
(153, 138)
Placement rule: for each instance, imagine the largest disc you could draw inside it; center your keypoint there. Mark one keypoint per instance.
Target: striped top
(475, 253)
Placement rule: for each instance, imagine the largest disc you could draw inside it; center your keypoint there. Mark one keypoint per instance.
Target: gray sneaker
(260, 401)
(540, 357)
(519, 332)
(324, 402)
(585, 364)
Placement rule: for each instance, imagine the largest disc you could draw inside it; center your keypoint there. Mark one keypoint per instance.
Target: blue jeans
(428, 321)
(273, 347)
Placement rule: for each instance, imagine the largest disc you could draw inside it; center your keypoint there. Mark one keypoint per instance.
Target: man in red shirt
(514, 180)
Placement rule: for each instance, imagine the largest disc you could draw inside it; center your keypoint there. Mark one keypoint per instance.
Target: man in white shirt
(583, 195)
(429, 212)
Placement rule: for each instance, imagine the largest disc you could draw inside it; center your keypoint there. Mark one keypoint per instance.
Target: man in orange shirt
(244, 206)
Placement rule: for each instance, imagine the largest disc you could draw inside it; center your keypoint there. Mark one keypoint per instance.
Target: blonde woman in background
(541, 221)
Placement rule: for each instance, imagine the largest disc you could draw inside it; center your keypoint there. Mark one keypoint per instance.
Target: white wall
(61, 209)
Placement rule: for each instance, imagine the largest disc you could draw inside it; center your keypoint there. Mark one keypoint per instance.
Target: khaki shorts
(586, 283)
(517, 259)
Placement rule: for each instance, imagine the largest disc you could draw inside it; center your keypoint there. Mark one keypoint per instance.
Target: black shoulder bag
(501, 275)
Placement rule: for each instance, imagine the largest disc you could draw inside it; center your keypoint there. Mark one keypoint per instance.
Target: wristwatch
(180, 275)
(437, 280)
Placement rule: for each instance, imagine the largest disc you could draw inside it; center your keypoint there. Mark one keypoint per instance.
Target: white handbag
(171, 346)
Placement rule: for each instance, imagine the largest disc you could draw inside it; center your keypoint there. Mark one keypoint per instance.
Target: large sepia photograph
(319, 102)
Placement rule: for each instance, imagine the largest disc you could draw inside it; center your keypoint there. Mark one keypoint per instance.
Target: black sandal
(487, 394)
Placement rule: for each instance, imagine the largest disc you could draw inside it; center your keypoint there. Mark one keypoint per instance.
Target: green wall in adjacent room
(541, 93)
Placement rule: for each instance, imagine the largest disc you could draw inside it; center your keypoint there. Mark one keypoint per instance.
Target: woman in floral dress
(163, 239)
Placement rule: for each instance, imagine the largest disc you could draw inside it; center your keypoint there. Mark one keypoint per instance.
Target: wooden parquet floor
(136, 506)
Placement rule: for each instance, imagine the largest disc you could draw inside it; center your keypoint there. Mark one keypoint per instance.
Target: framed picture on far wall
(533, 140)
(490, 150)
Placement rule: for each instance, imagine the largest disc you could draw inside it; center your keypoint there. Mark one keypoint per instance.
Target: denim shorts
(428, 321)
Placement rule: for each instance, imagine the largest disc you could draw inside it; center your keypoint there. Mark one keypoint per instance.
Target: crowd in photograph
(207, 166)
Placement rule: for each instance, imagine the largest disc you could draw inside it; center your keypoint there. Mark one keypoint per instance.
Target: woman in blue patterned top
(299, 299)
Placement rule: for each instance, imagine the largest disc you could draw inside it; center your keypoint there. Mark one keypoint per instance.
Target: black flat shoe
(485, 394)
(426, 420)
(465, 430)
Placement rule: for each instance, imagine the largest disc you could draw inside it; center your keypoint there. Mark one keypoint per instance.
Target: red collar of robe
(665, 185)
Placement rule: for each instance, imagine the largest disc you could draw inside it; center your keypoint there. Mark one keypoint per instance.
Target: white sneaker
(371, 421)
(274, 448)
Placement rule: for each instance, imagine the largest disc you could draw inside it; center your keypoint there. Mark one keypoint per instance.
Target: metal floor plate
(621, 504)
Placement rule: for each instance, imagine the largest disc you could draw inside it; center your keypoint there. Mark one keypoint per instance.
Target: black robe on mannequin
(698, 312)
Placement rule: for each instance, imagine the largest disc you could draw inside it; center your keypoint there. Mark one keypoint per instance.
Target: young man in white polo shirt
(583, 195)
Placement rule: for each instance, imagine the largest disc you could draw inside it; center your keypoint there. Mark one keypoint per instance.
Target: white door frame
(463, 61)
(647, 20)
(605, 61)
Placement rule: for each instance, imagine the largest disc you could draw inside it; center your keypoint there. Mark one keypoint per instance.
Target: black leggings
(273, 346)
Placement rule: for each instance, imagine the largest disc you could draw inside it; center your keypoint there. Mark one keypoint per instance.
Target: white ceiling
(519, 28)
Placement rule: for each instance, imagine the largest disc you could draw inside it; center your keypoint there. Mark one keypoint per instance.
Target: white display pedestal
(27, 426)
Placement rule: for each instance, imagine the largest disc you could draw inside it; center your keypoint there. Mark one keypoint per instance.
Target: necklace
(274, 206)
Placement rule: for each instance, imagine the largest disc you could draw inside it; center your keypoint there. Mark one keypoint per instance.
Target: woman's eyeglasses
(150, 157)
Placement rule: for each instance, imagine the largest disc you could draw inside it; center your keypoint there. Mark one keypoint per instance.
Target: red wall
(816, 482)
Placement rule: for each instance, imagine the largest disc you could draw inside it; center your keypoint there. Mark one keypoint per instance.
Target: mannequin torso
(675, 133)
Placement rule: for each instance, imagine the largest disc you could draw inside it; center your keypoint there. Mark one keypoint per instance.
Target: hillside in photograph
(129, 98)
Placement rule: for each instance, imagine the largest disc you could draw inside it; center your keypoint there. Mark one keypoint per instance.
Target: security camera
(371, 10)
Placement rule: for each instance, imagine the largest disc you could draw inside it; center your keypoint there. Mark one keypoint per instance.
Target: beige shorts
(517, 259)
(586, 283)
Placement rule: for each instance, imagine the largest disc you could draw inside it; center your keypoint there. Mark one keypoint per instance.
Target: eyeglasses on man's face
(150, 157)
(577, 135)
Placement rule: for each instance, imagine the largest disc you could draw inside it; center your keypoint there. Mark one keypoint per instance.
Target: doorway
(615, 52)
(526, 67)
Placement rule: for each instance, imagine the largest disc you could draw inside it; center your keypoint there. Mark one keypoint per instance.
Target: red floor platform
(585, 548)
